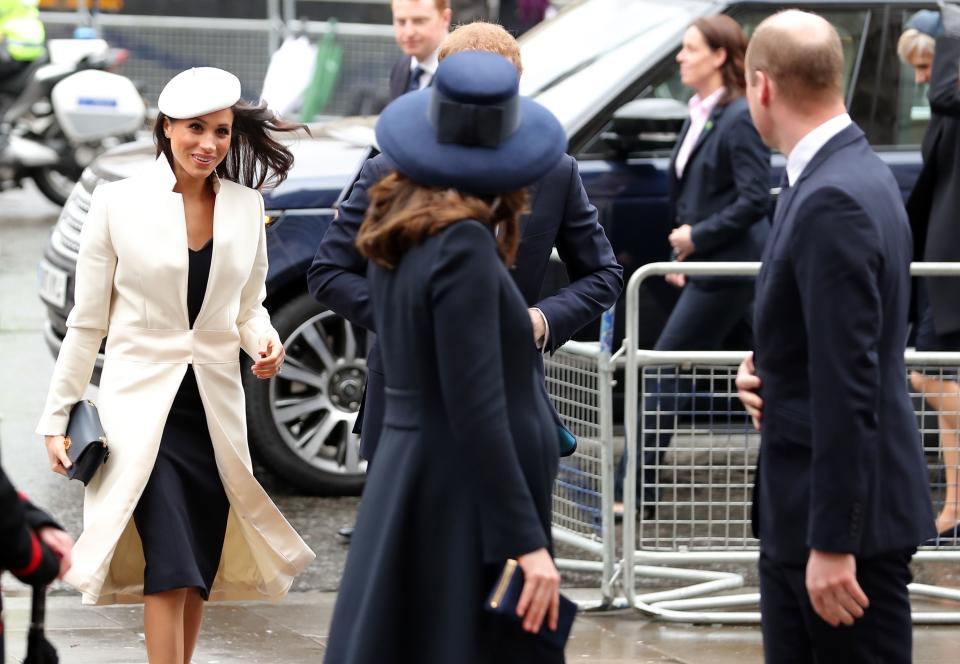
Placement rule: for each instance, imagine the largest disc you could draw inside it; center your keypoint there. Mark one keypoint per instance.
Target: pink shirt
(700, 110)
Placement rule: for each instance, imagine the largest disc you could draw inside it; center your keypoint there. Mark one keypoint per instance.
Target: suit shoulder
(561, 172)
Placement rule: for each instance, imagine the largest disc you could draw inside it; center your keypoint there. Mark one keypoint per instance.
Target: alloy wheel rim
(314, 400)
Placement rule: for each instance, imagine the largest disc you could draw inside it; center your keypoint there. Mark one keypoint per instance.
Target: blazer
(724, 193)
(131, 285)
(935, 198)
(561, 216)
(841, 465)
(400, 76)
(465, 466)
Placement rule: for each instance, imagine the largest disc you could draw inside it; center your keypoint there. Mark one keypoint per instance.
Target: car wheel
(301, 421)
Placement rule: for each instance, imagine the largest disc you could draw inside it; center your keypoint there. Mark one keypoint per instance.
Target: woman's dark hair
(255, 157)
(721, 31)
(402, 214)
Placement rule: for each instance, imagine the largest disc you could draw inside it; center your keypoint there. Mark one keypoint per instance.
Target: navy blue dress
(465, 464)
(182, 513)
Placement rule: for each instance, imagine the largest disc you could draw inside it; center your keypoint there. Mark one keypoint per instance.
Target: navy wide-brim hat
(471, 130)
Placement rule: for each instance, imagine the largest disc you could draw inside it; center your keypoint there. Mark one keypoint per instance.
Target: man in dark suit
(419, 26)
(841, 498)
(561, 216)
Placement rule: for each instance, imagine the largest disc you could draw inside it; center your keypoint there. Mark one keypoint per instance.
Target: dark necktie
(415, 77)
(783, 196)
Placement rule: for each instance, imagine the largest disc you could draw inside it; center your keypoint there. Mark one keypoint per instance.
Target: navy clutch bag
(503, 602)
(86, 443)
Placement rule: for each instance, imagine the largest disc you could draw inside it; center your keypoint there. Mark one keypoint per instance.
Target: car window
(665, 83)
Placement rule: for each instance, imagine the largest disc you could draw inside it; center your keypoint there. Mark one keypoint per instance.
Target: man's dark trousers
(794, 634)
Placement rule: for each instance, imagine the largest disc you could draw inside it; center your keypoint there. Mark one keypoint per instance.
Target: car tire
(301, 421)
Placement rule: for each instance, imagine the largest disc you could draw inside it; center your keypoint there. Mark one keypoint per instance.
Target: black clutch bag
(503, 602)
(86, 443)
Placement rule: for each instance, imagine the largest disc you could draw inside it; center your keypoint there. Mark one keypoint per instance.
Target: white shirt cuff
(542, 343)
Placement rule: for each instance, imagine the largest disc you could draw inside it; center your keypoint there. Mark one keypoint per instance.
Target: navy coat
(561, 216)
(724, 193)
(464, 469)
(841, 465)
(935, 198)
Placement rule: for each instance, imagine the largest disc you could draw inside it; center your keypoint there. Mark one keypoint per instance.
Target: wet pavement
(294, 631)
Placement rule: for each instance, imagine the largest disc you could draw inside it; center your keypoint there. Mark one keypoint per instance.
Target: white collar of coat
(169, 179)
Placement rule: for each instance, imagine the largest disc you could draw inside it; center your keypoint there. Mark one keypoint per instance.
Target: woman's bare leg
(192, 620)
(163, 626)
(944, 397)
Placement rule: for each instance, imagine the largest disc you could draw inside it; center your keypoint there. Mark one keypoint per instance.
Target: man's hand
(61, 544)
(539, 327)
(681, 239)
(748, 387)
(832, 585)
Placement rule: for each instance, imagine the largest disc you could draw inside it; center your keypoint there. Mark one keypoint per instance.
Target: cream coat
(131, 285)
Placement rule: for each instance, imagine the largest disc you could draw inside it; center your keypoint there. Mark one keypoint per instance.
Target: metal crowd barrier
(699, 451)
(579, 380)
(161, 46)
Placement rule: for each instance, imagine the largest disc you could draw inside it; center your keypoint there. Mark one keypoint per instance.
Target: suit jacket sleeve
(253, 321)
(838, 264)
(750, 166)
(596, 278)
(338, 276)
(88, 320)
(23, 553)
(944, 93)
(465, 293)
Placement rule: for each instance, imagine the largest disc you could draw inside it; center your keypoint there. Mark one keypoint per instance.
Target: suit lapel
(844, 138)
(681, 137)
(707, 131)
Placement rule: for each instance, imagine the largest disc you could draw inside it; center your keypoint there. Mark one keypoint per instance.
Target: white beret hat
(198, 91)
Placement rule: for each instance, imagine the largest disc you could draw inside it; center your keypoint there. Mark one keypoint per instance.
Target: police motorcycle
(59, 113)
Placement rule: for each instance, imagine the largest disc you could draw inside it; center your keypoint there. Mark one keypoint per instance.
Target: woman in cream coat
(135, 283)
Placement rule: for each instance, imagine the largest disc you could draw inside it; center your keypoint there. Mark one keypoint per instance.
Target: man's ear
(763, 85)
(447, 16)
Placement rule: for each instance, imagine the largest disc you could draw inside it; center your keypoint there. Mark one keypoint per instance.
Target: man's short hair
(482, 36)
(441, 5)
(804, 67)
(913, 42)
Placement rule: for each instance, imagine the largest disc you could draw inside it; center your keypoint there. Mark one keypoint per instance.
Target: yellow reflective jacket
(21, 30)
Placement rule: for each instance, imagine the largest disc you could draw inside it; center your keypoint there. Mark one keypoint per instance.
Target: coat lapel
(174, 219)
(707, 132)
(844, 138)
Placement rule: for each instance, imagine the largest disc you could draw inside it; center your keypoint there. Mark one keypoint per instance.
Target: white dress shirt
(429, 67)
(810, 145)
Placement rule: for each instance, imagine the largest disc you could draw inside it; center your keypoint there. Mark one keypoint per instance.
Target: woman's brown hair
(402, 214)
(721, 31)
(255, 157)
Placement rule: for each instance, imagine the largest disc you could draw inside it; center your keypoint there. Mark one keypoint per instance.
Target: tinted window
(851, 24)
